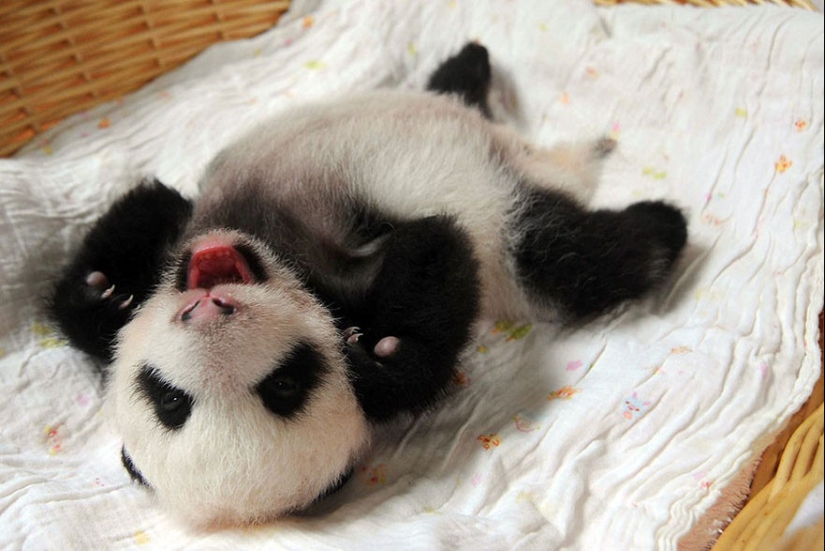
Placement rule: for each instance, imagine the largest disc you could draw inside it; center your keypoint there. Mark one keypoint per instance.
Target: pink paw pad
(97, 279)
(386, 347)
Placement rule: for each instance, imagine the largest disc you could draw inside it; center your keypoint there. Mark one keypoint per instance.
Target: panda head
(230, 389)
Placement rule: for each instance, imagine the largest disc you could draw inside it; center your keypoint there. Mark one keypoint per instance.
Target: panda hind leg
(582, 263)
(117, 264)
(467, 74)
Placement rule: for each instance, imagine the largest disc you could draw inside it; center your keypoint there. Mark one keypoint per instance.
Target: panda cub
(328, 278)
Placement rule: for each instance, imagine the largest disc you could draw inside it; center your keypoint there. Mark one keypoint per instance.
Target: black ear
(118, 263)
(466, 74)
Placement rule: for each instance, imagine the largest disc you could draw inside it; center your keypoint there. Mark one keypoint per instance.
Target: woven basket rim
(61, 57)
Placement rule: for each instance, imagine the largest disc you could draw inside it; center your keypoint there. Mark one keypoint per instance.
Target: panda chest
(334, 241)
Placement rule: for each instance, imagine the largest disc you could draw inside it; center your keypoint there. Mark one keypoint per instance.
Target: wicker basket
(762, 523)
(789, 468)
(60, 57)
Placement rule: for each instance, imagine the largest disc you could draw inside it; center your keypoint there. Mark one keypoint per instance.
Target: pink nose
(208, 308)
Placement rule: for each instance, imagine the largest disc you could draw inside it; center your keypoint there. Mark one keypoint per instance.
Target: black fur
(466, 74)
(338, 484)
(426, 294)
(587, 262)
(172, 405)
(129, 465)
(285, 391)
(128, 244)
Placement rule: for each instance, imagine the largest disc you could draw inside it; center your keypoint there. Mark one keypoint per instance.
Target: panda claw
(108, 292)
(352, 334)
(125, 304)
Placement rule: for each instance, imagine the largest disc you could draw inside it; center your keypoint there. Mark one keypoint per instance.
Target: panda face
(230, 389)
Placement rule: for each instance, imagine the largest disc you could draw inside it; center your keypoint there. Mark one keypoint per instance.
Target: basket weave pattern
(59, 57)
(762, 523)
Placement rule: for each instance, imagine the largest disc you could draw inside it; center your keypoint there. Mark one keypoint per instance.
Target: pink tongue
(217, 265)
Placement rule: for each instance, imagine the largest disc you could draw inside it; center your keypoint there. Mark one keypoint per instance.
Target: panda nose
(208, 308)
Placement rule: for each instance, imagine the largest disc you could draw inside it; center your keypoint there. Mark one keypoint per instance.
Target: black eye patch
(172, 405)
(286, 389)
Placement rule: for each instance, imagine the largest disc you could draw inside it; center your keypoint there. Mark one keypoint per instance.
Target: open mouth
(217, 265)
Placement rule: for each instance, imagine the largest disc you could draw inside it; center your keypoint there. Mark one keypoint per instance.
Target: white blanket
(617, 435)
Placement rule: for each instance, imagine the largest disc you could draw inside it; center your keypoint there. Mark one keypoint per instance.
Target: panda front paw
(90, 309)
(383, 348)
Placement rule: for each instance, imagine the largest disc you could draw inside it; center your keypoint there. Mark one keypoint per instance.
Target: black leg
(116, 266)
(588, 262)
(416, 320)
(466, 74)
